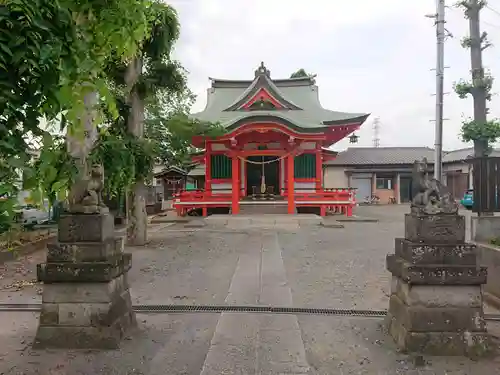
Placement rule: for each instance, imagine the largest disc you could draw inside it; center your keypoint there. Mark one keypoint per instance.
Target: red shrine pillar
(235, 189)
(208, 168)
(319, 168)
(291, 183)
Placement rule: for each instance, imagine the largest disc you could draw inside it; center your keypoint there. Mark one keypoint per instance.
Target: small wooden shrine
(277, 138)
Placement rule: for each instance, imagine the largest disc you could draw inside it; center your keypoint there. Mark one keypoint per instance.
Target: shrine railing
(340, 200)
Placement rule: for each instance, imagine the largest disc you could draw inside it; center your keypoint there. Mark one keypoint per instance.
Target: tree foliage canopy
(162, 88)
(170, 127)
(479, 132)
(52, 54)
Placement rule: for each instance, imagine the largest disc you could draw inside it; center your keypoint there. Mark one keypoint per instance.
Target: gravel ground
(340, 268)
(360, 346)
(163, 344)
(324, 267)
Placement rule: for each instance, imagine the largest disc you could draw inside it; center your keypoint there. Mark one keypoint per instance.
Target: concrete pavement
(301, 266)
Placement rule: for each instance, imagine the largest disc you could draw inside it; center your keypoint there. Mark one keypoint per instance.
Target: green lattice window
(220, 166)
(305, 166)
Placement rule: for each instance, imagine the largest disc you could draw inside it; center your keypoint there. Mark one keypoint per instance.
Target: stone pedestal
(86, 299)
(436, 304)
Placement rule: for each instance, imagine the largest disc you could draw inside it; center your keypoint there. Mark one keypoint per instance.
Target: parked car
(468, 200)
(30, 215)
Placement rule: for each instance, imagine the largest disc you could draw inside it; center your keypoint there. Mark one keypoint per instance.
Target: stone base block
(485, 228)
(435, 274)
(60, 337)
(441, 296)
(435, 229)
(68, 293)
(86, 227)
(468, 344)
(105, 271)
(91, 316)
(436, 319)
(424, 253)
(85, 251)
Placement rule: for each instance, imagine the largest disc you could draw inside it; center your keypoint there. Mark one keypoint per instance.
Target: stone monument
(436, 304)
(86, 299)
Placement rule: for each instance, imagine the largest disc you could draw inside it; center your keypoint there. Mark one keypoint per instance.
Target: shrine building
(270, 159)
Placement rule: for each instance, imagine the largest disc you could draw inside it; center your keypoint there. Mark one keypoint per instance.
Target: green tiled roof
(301, 94)
(262, 81)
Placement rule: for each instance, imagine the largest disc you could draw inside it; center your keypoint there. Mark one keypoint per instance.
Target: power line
(493, 10)
(489, 7)
(459, 13)
(491, 25)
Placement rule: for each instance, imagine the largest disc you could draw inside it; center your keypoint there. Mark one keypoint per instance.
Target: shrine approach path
(263, 264)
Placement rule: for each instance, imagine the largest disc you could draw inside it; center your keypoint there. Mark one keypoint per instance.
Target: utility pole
(479, 91)
(376, 132)
(438, 144)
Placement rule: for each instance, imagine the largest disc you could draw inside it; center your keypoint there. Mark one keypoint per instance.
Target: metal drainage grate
(172, 309)
(20, 307)
(255, 309)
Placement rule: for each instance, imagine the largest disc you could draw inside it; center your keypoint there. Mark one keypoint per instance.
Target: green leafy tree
(170, 127)
(142, 82)
(479, 130)
(52, 55)
(54, 171)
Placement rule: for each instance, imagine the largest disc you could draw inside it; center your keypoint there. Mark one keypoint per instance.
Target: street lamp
(353, 138)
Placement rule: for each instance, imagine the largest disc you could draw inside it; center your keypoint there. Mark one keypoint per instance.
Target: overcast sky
(369, 56)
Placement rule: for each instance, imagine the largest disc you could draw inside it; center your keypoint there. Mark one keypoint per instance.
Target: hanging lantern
(353, 138)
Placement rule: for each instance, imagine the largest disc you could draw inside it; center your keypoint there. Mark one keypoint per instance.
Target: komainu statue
(85, 195)
(430, 197)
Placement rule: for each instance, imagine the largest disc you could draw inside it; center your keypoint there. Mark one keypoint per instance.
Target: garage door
(457, 184)
(363, 188)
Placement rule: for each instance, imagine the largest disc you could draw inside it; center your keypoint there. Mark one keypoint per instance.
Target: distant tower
(376, 132)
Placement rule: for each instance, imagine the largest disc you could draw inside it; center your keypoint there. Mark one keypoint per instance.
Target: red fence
(486, 183)
(341, 200)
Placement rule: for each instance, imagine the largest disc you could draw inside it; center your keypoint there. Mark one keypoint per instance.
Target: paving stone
(331, 224)
(281, 346)
(275, 290)
(356, 219)
(195, 224)
(245, 283)
(233, 349)
(278, 322)
(235, 328)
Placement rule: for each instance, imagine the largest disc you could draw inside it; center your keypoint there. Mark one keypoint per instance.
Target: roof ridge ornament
(262, 70)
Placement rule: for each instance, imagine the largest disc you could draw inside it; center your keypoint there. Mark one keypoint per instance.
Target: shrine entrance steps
(286, 221)
(263, 208)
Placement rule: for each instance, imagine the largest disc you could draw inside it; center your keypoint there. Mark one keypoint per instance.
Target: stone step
(263, 209)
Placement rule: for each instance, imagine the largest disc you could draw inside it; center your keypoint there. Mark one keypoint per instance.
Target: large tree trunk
(136, 196)
(80, 139)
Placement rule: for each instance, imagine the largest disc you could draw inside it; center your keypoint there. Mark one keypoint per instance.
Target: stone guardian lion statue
(430, 197)
(85, 195)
